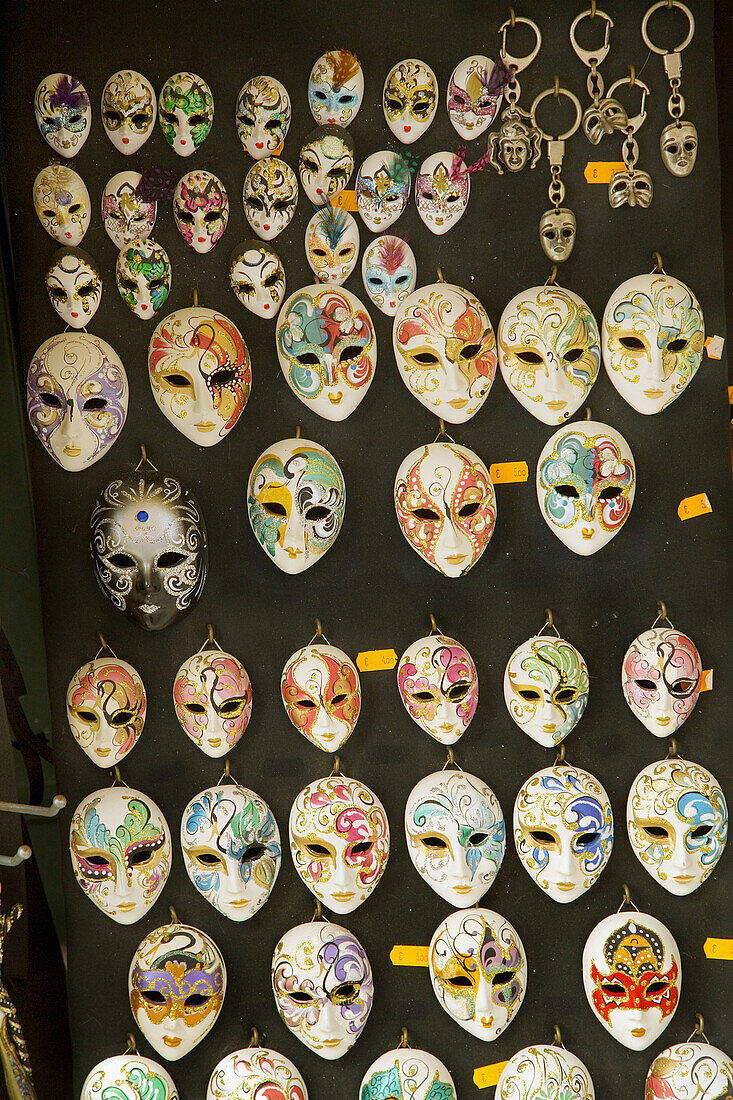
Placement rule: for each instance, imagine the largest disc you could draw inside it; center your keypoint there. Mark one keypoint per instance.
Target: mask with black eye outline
(410, 99)
(270, 196)
(257, 277)
(61, 201)
(326, 163)
(263, 116)
(201, 209)
(74, 286)
(143, 276)
(106, 704)
(332, 245)
(128, 110)
(389, 272)
(185, 112)
(126, 217)
(63, 113)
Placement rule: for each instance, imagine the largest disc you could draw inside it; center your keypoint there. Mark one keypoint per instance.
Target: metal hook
(556, 88)
(557, 1036)
(443, 432)
(588, 413)
(549, 623)
(672, 753)
(626, 900)
(450, 760)
(117, 780)
(227, 772)
(319, 638)
(144, 458)
(662, 616)
(403, 1039)
(254, 1038)
(548, 613)
(131, 1044)
(512, 18)
(658, 268)
(23, 853)
(336, 769)
(518, 64)
(433, 624)
(560, 757)
(174, 915)
(699, 1028)
(319, 629)
(592, 58)
(297, 432)
(439, 272)
(552, 277)
(58, 804)
(633, 122)
(662, 608)
(210, 632)
(318, 911)
(195, 296)
(632, 75)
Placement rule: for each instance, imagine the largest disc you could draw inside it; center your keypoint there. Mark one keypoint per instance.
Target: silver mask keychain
(632, 186)
(517, 142)
(558, 225)
(605, 114)
(678, 141)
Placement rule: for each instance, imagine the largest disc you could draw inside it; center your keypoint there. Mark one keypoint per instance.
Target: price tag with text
(375, 660)
(345, 200)
(486, 1076)
(714, 346)
(407, 954)
(718, 949)
(504, 472)
(600, 171)
(697, 505)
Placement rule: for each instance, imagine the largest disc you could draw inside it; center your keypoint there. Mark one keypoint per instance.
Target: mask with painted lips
(126, 217)
(442, 190)
(201, 209)
(143, 276)
(212, 696)
(256, 1073)
(263, 116)
(63, 113)
(336, 88)
(321, 692)
(270, 196)
(407, 1072)
(257, 277)
(681, 1071)
(129, 1077)
(546, 688)
(326, 163)
(74, 286)
(661, 677)
(61, 201)
(332, 245)
(471, 99)
(382, 189)
(389, 272)
(438, 684)
(185, 112)
(410, 99)
(541, 1072)
(128, 110)
(106, 706)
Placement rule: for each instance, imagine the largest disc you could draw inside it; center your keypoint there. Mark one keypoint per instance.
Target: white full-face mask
(212, 696)
(549, 351)
(332, 245)
(128, 1077)
(586, 481)
(201, 209)
(445, 350)
(327, 349)
(176, 984)
(677, 821)
(77, 395)
(143, 276)
(321, 692)
(323, 986)
(126, 217)
(231, 849)
(74, 286)
(632, 976)
(407, 1072)
(128, 110)
(445, 506)
(410, 99)
(263, 116)
(389, 272)
(382, 189)
(325, 163)
(661, 676)
(61, 201)
(200, 373)
(478, 968)
(438, 684)
(270, 196)
(653, 340)
(256, 1072)
(456, 835)
(681, 1071)
(296, 499)
(442, 190)
(335, 88)
(473, 96)
(63, 113)
(185, 112)
(339, 841)
(544, 1071)
(257, 277)
(563, 830)
(120, 847)
(546, 688)
(106, 704)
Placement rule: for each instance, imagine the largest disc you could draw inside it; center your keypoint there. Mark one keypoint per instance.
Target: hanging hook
(556, 86)
(512, 18)
(433, 624)
(556, 1036)
(23, 853)
(195, 296)
(443, 433)
(450, 760)
(319, 629)
(626, 900)
(227, 772)
(662, 609)
(592, 9)
(588, 413)
(254, 1037)
(319, 638)
(632, 75)
(318, 912)
(403, 1039)
(297, 431)
(552, 277)
(174, 915)
(699, 1028)
(439, 272)
(210, 632)
(131, 1044)
(144, 458)
(672, 753)
(336, 769)
(560, 757)
(550, 620)
(658, 268)
(58, 804)
(118, 780)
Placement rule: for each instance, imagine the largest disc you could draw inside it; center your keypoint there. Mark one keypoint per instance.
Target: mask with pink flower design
(201, 209)
(212, 695)
(321, 692)
(106, 704)
(438, 684)
(661, 676)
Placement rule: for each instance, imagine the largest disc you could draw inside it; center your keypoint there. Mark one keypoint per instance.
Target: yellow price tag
(346, 200)
(503, 472)
(279, 149)
(485, 1076)
(718, 949)
(714, 346)
(600, 171)
(698, 505)
(375, 660)
(730, 395)
(406, 954)
(706, 680)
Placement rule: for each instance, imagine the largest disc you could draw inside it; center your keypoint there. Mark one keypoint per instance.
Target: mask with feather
(389, 272)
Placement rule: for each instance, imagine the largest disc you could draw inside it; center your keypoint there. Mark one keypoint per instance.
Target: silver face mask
(557, 233)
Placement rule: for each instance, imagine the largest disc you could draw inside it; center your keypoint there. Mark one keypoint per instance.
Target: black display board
(372, 590)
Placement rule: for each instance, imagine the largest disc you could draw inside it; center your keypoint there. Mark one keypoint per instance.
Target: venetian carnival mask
(129, 1077)
(63, 113)
(263, 116)
(327, 348)
(106, 706)
(557, 233)
(653, 340)
(212, 696)
(257, 277)
(549, 351)
(445, 350)
(61, 201)
(149, 548)
(128, 110)
(382, 189)
(456, 835)
(143, 276)
(296, 498)
(325, 163)
(185, 112)
(201, 209)
(126, 217)
(120, 851)
(200, 373)
(77, 395)
(231, 849)
(74, 286)
(473, 96)
(438, 684)
(256, 1073)
(332, 245)
(407, 1072)
(661, 677)
(321, 692)
(410, 99)
(441, 191)
(544, 1071)
(176, 985)
(339, 841)
(546, 688)
(445, 506)
(688, 1070)
(677, 821)
(323, 986)
(632, 975)
(586, 481)
(678, 146)
(270, 196)
(478, 968)
(563, 830)
(335, 88)
(630, 188)
(389, 272)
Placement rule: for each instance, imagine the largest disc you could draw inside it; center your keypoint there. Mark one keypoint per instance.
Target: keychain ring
(559, 92)
(633, 81)
(588, 57)
(668, 4)
(518, 64)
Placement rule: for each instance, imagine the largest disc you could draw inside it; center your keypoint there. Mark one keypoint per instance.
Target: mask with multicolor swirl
(106, 704)
(201, 209)
(546, 688)
(212, 696)
(63, 113)
(185, 112)
(438, 684)
(321, 692)
(256, 1073)
(661, 677)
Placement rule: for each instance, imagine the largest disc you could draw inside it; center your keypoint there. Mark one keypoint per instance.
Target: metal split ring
(556, 90)
(589, 57)
(668, 4)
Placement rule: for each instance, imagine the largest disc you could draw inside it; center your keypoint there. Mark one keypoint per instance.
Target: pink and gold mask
(106, 706)
(212, 695)
(321, 692)
(661, 677)
(438, 684)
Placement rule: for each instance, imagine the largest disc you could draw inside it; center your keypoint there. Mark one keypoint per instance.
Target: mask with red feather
(389, 272)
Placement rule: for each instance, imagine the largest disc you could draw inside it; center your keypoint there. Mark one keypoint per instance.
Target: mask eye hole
(336, 173)
(252, 852)
(646, 685)
(427, 358)
(140, 119)
(195, 708)
(274, 508)
(631, 343)
(470, 351)
(470, 509)
(152, 996)
(613, 989)
(460, 981)
(305, 704)
(317, 94)
(458, 691)
(434, 843)
(308, 359)
(273, 280)
(426, 513)
(121, 561)
(281, 204)
(587, 840)
(339, 699)
(52, 400)
(300, 996)
(113, 117)
(573, 355)
(427, 194)
(169, 117)
(477, 839)
(208, 859)
(530, 695)
(177, 380)
(196, 1000)
(345, 994)
(223, 377)
(121, 718)
(196, 120)
(677, 345)
(532, 358)
(503, 977)
(86, 715)
(394, 104)
(231, 708)
(246, 120)
(353, 351)
(212, 216)
(255, 203)
(542, 838)
(57, 293)
(319, 251)
(566, 695)
(94, 404)
(319, 851)
(682, 687)
(308, 164)
(401, 280)
(98, 861)
(185, 216)
(657, 832)
(170, 558)
(423, 696)
(49, 213)
(362, 847)
(316, 513)
(374, 280)
(85, 291)
(611, 492)
(701, 832)
(273, 126)
(421, 107)
(129, 285)
(140, 856)
(567, 491)
(156, 284)
(656, 987)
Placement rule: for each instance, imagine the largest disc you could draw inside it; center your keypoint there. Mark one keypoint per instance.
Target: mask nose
(146, 580)
(656, 367)
(341, 877)
(322, 723)
(293, 541)
(681, 861)
(484, 1004)
(329, 369)
(328, 1021)
(565, 862)
(230, 881)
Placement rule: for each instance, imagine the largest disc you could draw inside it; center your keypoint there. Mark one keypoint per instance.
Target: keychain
(678, 141)
(605, 114)
(557, 226)
(517, 141)
(632, 187)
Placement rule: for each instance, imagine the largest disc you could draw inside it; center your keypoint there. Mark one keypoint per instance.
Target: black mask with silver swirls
(149, 548)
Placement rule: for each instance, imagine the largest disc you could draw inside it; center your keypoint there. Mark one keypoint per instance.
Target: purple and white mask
(62, 203)
(201, 209)
(63, 113)
(263, 116)
(126, 217)
(74, 285)
(441, 191)
(438, 684)
(473, 96)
